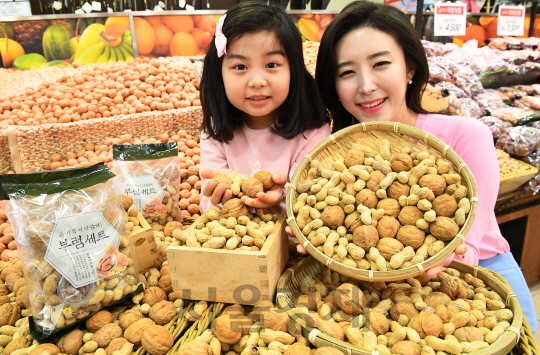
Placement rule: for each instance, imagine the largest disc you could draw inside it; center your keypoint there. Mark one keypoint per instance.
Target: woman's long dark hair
(384, 18)
(303, 108)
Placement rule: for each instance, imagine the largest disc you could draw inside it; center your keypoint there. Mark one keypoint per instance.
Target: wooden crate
(230, 276)
(143, 247)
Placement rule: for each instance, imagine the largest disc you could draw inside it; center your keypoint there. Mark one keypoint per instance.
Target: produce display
(453, 313)
(509, 166)
(381, 211)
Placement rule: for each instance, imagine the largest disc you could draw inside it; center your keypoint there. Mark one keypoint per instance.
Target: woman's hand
(269, 198)
(218, 194)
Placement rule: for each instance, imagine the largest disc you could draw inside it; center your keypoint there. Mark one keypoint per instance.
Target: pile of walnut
(231, 227)
(8, 246)
(454, 313)
(381, 211)
(509, 166)
(265, 330)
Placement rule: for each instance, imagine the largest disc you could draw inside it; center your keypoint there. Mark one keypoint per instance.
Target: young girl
(262, 109)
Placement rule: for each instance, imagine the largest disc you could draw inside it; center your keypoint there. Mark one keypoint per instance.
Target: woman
(371, 66)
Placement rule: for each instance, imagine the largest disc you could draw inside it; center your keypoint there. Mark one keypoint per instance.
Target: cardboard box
(230, 276)
(143, 247)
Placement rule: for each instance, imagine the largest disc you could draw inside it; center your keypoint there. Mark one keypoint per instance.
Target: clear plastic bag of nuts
(70, 236)
(150, 174)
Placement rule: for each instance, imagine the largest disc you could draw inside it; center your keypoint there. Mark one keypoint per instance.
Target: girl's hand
(430, 273)
(271, 197)
(218, 194)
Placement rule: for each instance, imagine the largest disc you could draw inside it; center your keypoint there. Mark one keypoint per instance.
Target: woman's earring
(410, 81)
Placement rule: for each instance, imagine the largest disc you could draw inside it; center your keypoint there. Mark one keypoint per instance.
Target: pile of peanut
(453, 313)
(8, 246)
(509, 166)
(311, 50)
(230, 227)
(434, 92)
(379, 210)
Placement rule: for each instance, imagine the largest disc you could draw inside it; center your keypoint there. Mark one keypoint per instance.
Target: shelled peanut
(381, 210)
(230, 227)
(453, 313)
(265, 330)
(105, 90)
(509, 166)
(311, 50)
(8, 246)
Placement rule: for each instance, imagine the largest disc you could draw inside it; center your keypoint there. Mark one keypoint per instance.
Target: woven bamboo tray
(309, 270)
(400, 136)
(510, 182)
(36, 144)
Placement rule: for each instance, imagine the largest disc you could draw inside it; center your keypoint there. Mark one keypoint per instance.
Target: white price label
(57, 5)
(190, 8)
(450, 19)
(128, 10)
(162, 4)
(15, 8)
(84, 248)
(158, 8)
(87, 8)
(79, 11)
(96, 6)
(109, 9)
(182, 3)
(511, 21)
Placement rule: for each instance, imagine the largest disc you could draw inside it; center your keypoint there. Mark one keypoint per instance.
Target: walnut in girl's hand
(249, 186)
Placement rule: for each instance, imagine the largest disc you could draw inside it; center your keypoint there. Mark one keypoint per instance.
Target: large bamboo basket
(400, 136)
(309, 270)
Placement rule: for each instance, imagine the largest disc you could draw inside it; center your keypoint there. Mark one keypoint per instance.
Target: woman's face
(372, 76)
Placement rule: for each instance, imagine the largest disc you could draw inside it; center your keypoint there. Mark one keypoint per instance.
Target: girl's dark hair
(303, 108)
(383, 18)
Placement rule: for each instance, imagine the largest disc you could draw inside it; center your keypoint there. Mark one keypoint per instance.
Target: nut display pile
(509, 166)
(105, 90)
(230, 227)
(453, 313)
(381, 211)
(8, 246)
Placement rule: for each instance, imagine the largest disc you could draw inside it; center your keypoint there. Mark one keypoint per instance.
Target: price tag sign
(109, 9)
(79, 11)
(158, 8)
(190, 8)
(15, 8)
(57, 5)
(96, 6)
(161, 4)
(511, 21)
(450, 19)
(182, 3)
(87, 8)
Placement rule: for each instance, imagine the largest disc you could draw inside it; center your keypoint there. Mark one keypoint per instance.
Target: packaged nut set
(150, 174)
(70, 228)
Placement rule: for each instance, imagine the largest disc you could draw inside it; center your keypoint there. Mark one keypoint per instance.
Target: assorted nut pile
(8, 246)
(247, 185)
(311, 50)
(230, 227)
(105, 90)
(453, 313)
(381, 211)
(509, 166)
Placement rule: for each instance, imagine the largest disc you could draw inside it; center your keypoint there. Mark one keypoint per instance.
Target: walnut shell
(444, 228)
(391, 292)
(226, 330)
(130, 316)
(353, 221)
(390, 206)
(307, 301)
(367, 198)
(223, 179)
(411, 236)
(409, 215)
(9, 314)
(157, 340)
(48, 348)
(162, 312)
(427, 324)
(165, 283)
(350, 299)
(251, 187)
(98, 320)
(127, 201)
(235, 309)
(265, 177)
(446, 311)
(397, 189)
(153, 295)
(115, 344)
(444, 205)
(258, 310)
(333, 216)
(195, 347)
(406, 347)
(434, 182)
(16, 344)
(354, 157)
(388, 247)
(387, 227)
(378, 323)
(436, 298)
(403, 307)
(234, 208)
(71, 343)
(453, 287)
(106, 334)
(401, 162)
(134, 332)
(374, 180)
(469, 334)
(365, 237)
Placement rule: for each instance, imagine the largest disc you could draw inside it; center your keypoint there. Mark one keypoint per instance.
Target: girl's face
(372, 77)
(256, 76)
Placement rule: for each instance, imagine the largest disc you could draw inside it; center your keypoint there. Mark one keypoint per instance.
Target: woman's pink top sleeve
(473, 142)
